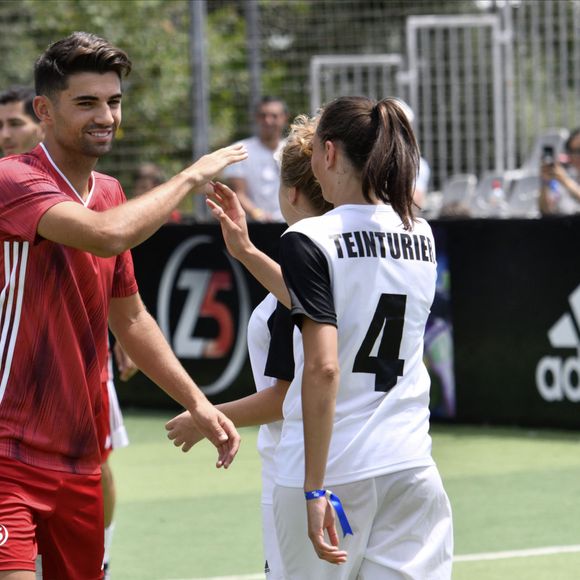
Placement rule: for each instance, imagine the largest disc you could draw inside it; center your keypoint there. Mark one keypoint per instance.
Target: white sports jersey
(261, 170)
(262, 346)
(357, 268)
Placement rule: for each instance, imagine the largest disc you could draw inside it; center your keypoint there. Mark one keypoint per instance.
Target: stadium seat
(456, 195)
(482, 203)
(524, 195)
(459, 188)
(432, 205)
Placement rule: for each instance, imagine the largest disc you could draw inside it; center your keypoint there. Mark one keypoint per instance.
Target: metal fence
(484, 86)
(485, 78)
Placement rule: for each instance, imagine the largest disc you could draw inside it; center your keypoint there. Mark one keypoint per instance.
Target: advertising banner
(202, 300)
(502, 344)
(439, 351)
(515, 295)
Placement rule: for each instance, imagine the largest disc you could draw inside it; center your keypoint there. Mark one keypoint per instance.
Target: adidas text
(557, 377)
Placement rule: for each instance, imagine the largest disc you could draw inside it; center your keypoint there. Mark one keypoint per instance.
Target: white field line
(246, 577)
(546, 551)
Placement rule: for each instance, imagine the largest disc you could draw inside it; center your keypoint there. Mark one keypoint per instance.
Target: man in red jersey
(20, 131)
(66, 232)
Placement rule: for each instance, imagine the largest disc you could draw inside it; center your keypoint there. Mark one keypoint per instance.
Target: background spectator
(257, 179)
(422, 180)
(146, 177)
(560, 188)
(20, 129)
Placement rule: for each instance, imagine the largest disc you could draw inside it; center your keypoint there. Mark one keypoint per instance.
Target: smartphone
(548, 155)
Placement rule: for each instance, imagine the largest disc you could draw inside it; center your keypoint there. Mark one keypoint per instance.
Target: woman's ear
(329, 154)
(292, 195)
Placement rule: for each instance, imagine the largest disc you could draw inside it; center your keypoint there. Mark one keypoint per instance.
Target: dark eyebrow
(93, 98)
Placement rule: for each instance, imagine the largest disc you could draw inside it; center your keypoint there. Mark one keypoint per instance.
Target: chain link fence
(485, 78)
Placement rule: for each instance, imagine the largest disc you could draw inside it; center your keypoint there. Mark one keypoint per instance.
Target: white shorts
(273, 564)
(118, 433)
(402, 530)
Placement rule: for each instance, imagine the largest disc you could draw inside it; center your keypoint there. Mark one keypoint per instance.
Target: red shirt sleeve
(124, 282)
(26, 193)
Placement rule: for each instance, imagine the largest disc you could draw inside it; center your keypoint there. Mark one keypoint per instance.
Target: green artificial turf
(178, 517)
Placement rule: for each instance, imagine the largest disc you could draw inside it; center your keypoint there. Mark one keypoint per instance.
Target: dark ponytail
(378, 140)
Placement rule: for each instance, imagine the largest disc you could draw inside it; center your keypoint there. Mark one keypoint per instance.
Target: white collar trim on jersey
(85, 202)
(370, 207)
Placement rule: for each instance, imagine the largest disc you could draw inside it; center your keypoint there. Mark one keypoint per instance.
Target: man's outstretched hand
(187, 429)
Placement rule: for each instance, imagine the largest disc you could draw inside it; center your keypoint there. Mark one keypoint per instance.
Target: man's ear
(43, 108)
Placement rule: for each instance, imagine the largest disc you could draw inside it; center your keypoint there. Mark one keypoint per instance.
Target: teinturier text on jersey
(373, 244)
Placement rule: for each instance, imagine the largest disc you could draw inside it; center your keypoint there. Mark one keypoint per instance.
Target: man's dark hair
(20, 94)
(77, 53)
(266, 99)
(150, 171)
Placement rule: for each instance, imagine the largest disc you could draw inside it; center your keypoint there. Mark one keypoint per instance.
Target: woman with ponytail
(355, 442)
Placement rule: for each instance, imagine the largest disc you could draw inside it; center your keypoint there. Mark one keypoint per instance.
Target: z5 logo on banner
(558, 377)
(203, 308)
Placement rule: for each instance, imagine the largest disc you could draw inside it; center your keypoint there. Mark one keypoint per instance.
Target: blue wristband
(315, 494)
(335, 503)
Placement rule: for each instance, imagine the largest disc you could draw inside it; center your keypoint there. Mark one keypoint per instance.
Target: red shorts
(103, 423)
(52, 513)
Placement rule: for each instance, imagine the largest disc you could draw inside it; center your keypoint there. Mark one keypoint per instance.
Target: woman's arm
(319, 389)
(259, 408)
(226, 207)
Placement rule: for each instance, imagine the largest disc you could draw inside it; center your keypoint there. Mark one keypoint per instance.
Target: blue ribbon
(336, 504)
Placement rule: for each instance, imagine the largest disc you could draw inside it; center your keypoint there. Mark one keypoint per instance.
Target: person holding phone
(560, 178)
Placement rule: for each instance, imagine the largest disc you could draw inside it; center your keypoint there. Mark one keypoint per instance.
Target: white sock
(108, 541)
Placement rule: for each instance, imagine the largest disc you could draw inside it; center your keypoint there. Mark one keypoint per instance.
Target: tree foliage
(158, 102)
(155, 33)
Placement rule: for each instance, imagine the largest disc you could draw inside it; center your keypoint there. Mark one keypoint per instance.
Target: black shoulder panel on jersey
(280, 360)
(307, 276)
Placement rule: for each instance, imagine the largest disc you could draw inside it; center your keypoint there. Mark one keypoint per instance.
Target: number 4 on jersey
(386, 366)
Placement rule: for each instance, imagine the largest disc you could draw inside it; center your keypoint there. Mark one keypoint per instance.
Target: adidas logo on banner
(558, 378)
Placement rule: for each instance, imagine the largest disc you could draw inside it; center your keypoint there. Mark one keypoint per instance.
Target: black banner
(515, 295)
(502, 346)
(202, 299)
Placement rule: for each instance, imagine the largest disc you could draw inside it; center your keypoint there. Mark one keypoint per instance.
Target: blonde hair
(295, 162)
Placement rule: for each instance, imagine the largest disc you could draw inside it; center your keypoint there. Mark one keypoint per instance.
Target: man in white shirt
(256, 180)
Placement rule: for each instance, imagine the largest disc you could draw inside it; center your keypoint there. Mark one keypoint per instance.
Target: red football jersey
(54, 306)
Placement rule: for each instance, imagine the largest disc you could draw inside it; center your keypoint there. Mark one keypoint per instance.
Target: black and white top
(358, 269)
